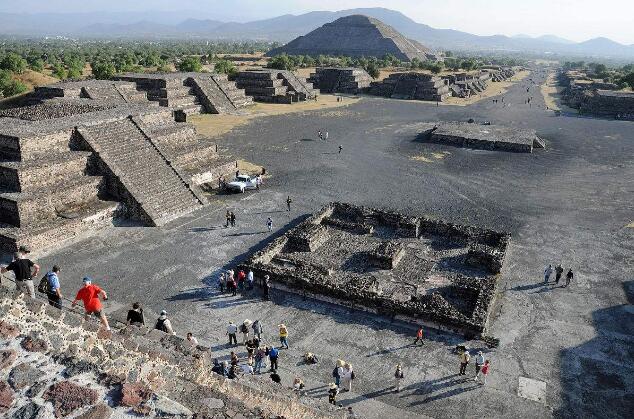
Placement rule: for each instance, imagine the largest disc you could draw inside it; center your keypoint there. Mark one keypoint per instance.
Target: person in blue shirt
(54, 293)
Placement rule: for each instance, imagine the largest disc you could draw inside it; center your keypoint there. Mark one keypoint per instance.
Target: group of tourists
(558, 270)
(481, 365)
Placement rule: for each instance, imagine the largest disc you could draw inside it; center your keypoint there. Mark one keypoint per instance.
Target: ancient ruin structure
(356, 36)
(340, 80)
(71, 165)
(412, 86)
(190, 93)
(483, 137)
(608, 104)
(413, 268)
(59, 364)
(595, 96)
(465, 85)
(275, 86)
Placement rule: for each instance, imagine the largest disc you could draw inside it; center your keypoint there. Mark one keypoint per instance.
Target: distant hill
(287, 27)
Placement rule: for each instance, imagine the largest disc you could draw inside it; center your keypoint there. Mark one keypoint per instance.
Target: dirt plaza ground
(564, 352)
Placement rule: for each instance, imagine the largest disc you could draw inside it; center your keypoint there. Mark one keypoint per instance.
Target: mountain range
(287, 27)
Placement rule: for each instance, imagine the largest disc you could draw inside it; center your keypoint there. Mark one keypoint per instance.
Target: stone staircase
(300, 86)
(405, 89)
(340, 80)
(218, 94)
(159, 191)
(275, 86)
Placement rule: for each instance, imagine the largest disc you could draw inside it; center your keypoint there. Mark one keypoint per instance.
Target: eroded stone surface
(24, 375)
(67, 397)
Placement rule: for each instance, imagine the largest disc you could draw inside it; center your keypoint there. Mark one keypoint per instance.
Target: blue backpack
(273, 353)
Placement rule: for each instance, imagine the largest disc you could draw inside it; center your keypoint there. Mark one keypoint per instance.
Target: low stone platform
(275, 86)
(483, 137)
(412, 268)
(412, 86)
(340, 80)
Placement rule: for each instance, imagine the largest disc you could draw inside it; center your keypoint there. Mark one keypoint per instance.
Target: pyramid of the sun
(355, 36)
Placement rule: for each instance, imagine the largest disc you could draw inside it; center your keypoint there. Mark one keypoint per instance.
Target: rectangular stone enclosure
(411, 268)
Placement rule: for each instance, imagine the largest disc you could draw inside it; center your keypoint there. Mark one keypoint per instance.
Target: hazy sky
(577, 20)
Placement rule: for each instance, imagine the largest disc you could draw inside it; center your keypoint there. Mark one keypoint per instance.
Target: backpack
(335, 372)
(244, 329)
(273, 353)
(44, 286)
(352, 376)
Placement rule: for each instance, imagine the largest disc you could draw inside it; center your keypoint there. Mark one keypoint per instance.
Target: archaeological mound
(411, 268)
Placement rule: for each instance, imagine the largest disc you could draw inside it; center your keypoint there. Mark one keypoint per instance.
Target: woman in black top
(135, 316)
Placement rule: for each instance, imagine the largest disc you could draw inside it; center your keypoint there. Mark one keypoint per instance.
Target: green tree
(225, 67)
(190, 64)
(103, 70)
(436, 68)
(37, 64)
(59, 71)
(628, 79)
(373, 70)
(282, 62)
(14, 63)
(14, 87)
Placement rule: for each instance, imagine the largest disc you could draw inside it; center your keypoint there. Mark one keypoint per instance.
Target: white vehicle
(242, 183)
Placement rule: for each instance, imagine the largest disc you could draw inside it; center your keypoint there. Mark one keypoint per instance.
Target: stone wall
(486, 250)
(341, 80)
(130, 370)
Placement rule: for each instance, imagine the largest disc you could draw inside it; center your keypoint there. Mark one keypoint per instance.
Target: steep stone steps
(299, 85)
(156, 187)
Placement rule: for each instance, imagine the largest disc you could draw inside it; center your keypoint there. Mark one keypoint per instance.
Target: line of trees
(621, 76)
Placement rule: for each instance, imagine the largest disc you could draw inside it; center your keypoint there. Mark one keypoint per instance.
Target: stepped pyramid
(355, 36)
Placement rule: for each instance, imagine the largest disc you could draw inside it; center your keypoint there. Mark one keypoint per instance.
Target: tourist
(337, 373)
(479, 362)
(234, 359)
(237, 173)
(289, 201)
(298, 384)
(319, 134)
(569, 277)
(228, 216)
(340, 149)
(217, 368)
(247, 369)
(251, 346)
(233, 219)
(465, 357)
(485, 371)
(398, 377)
(266, 287)
(164, 324)
(419, 336)
(257, 329)
(547, 272)
(348, 376)
(332, 394)
(89, 294)
(21, 268)
(558, 272)
(350, 414)
(326, 136)
(135, 315)
(244, 329)
(283, 335)
(250, 279)
(259, 360)
(221, 182)
(269, 224)
(273, 354)
(310, 358)
(193, 342)
(53, 291)
(241, 277)
(234, 372)
(222, 282)
(232, 330)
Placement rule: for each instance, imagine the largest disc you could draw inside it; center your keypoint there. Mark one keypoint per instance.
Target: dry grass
(494, 89)
(432, 157)
(551, 92)
(33, 79)
(217, 125)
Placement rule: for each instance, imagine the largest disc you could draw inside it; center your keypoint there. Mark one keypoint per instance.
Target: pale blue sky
(577, 20)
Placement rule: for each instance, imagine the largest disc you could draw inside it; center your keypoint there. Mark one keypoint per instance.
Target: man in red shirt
(419, 336)
(89, 294)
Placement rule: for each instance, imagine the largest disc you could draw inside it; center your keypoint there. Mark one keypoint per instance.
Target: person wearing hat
(464, 357)
(89, 294)
(398, 377)
(21, 267)
(163, 324)
(244, 329)
(332, 393)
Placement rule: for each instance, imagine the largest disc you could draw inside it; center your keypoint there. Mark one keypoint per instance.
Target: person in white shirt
(192, 340)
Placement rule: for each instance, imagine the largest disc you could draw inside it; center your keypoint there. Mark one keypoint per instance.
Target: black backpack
(160, 325)
(244, 328)
(335, 372)
(44, 286)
